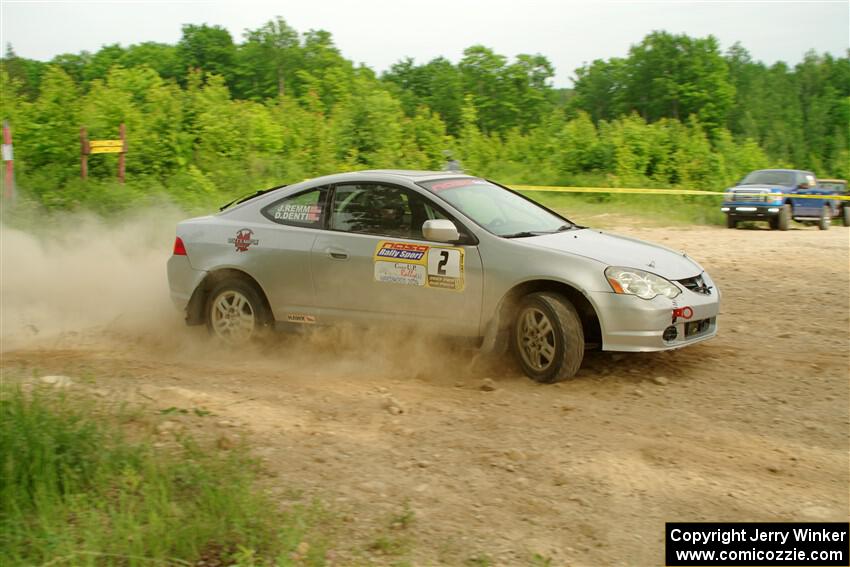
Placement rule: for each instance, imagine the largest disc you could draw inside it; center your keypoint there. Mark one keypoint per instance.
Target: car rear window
(304, 209)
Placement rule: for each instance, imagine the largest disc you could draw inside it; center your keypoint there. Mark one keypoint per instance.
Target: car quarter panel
(276, 256)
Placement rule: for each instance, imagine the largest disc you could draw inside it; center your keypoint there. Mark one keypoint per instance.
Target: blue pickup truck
(779, 196)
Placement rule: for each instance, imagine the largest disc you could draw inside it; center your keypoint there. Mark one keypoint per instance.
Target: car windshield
(497, 209)
(769, 178)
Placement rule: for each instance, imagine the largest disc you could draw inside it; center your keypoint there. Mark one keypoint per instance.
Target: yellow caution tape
(644, 191)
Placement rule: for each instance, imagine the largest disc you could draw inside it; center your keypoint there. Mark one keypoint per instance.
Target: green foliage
(75, 490)
(208, 119)
(207, 48)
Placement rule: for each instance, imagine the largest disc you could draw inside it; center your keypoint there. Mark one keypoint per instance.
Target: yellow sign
(106, 143)
(107, 150)
(106, 146)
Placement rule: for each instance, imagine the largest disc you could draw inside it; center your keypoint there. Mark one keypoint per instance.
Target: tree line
(209, 117)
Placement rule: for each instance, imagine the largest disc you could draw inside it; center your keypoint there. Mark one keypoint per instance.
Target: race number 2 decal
(445, 268)
(419, 265)
(441, 265)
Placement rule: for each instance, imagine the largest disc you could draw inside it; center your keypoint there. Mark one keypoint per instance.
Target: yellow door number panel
(420, 265)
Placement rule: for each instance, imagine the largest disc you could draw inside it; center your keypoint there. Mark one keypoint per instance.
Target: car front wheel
(548, 338)
(235, 312)
(825, 219)
(731, 222)
(784, 219)
(845, 214)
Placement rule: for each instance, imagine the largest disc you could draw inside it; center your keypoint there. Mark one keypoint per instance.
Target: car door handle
(337, 253)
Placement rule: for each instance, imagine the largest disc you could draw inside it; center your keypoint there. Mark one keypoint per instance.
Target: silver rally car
(452, 253)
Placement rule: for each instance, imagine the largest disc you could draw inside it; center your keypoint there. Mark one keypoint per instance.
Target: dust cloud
(78, 281)
(78, 277)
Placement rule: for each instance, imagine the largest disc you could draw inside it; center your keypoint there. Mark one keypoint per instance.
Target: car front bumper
(751, 211)
(632, 324)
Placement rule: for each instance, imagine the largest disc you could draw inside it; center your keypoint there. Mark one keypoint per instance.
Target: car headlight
(631, 281)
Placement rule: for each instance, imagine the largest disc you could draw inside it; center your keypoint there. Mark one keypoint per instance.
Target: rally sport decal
(243, 239)
(419, 265)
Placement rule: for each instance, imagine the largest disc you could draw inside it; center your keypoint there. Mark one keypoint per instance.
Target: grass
(606, 210)
(76, 490)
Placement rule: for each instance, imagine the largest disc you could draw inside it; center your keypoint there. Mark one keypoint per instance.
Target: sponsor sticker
(420, 265)
(301, 318)
(243, 240)
(401, 251)
(298, 213)
(400, 273)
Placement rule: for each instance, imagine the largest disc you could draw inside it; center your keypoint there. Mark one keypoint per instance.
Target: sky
(378, 33)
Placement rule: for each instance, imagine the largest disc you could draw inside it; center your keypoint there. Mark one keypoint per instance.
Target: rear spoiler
(248, 197)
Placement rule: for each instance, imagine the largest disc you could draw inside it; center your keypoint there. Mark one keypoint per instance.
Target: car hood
(614, 250)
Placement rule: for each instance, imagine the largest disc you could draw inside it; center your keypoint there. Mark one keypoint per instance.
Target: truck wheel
(845, 215)
(825, 218)
(236, 313)
(547, 337)
(731, 222)
(784, 218)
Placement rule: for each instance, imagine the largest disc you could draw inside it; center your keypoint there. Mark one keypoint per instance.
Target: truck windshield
(769, 178)
(497, 209)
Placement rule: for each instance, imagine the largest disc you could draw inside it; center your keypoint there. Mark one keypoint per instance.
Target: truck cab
(779, 196)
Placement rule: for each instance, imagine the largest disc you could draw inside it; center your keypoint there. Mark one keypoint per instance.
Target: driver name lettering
(299, 213)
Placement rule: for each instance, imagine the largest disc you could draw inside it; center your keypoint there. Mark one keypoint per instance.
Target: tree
(208, 48)
(268, 60)
(26, 73)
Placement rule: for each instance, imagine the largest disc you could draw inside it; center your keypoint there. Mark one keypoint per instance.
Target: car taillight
(179, 248)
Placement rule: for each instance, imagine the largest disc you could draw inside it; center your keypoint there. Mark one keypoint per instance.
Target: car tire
(845, 215)
(825, 218)
(547, 337)
(773, 222)
(236, 313)
(784, 219)
(731, 222)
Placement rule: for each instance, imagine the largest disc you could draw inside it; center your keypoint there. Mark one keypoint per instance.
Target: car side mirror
(440, 230)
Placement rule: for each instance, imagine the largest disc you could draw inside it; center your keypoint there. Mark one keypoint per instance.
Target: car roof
(373, 175)
(787, 170)
(388, 175)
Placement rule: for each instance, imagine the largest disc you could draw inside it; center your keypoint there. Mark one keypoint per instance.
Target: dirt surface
(419, 463)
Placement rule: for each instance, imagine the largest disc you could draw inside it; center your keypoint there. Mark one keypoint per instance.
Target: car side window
(376, 209)
(303, 209)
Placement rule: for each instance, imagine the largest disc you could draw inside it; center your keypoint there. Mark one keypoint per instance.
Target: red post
(122, 134)
(84, 153)
(8, 157)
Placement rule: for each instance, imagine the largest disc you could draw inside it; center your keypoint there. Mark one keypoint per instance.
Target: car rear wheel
(731, 222)
(784, 219)
(236, 313)
(825, 219)
(548, 338)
